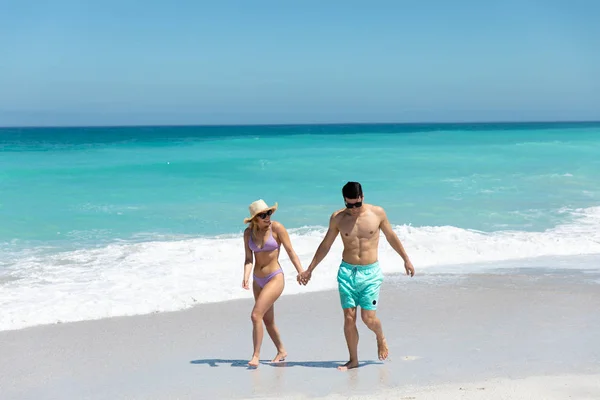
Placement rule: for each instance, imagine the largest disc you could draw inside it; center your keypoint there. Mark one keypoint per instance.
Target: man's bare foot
(253, 362)
(281, 355)
(349, 365)
(382, 349)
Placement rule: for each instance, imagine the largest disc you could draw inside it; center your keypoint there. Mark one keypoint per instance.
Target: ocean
(112, 221)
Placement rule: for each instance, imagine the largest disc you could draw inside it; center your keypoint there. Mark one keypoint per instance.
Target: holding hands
(304, 277)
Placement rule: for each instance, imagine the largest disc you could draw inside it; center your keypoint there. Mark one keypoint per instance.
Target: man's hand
(410, 270)
(304, 277)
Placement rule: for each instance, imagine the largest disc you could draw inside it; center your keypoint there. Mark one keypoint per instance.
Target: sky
(152, 62)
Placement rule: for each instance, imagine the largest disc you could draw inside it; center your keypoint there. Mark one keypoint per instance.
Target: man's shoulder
(337, 214)
(377, 210)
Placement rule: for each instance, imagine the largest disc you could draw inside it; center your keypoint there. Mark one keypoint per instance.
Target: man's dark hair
(352, 190)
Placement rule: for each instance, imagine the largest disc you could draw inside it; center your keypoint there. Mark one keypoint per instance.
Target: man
(359, 276)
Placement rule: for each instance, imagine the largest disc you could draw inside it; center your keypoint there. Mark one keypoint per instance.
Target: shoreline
(439, 331)
(187, 288)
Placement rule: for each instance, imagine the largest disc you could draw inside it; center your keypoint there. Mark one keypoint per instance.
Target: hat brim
(272, 208)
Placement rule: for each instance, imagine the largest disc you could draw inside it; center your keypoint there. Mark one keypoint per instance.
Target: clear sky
(74, 62)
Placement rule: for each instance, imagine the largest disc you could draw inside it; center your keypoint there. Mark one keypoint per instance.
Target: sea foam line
(138, 278)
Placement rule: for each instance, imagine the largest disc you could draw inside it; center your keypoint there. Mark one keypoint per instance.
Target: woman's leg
(269, 319)
(265, 298)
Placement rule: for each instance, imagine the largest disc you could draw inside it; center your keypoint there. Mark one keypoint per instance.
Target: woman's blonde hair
(253, 225)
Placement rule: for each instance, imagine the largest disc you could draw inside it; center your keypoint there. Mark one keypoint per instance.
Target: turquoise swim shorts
(359, 285)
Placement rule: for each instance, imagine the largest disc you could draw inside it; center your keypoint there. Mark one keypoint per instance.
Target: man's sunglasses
(265, 214)
(354, 205)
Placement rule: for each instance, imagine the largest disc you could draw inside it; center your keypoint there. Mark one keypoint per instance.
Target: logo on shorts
(374, 302)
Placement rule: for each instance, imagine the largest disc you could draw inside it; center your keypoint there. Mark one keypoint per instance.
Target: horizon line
(288, 124)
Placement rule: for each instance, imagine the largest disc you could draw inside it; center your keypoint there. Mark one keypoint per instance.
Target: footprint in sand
(410, 358)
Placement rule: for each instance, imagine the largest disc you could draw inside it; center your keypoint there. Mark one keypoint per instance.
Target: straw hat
(257, 207)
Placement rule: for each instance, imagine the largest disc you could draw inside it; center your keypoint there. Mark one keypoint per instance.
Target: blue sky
(193, 62)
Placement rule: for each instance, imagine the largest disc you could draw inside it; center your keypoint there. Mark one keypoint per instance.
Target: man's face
(354, 205)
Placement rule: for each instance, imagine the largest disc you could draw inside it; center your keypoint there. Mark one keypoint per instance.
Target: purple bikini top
(270, 245)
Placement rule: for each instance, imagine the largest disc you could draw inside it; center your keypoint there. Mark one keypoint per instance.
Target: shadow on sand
(217, 362)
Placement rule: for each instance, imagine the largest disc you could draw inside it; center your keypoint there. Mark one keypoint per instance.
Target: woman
(264, 238)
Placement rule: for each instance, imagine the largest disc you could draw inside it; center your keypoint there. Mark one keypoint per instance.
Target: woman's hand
(304, 277)
(245, 284)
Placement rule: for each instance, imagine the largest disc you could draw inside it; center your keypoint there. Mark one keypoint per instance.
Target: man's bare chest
(361, 228)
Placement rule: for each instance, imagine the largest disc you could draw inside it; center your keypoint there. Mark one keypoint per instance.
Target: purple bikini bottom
(263, 281)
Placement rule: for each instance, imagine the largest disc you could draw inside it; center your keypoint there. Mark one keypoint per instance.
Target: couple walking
(359, 276)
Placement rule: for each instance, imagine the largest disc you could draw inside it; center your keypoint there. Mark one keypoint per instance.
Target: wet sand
(520, 330)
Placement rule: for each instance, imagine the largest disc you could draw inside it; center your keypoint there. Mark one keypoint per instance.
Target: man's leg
(348, 301)
(371, 281)
(351, 334)
(371, 320)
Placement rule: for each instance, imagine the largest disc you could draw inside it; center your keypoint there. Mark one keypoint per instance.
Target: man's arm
(394, 241)
(326, 244)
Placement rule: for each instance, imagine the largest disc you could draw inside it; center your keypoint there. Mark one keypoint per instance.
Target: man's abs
(360, 251)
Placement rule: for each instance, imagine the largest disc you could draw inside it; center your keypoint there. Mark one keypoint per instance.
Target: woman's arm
(247, 260)
(287, 244)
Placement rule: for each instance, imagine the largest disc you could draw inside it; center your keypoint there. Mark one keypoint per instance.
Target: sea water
(100, 222)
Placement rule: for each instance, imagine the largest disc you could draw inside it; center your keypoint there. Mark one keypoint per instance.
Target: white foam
(138, 278)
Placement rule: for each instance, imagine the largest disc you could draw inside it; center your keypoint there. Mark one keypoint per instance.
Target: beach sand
(525, 334)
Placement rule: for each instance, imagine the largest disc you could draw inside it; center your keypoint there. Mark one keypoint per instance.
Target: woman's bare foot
(349, 365)
(382, 349)
(253, 362)
(281, 355)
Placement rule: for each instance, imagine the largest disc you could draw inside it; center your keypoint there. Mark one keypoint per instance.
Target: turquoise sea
(97, 222)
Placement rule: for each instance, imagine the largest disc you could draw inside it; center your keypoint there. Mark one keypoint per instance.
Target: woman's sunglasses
(265, 214)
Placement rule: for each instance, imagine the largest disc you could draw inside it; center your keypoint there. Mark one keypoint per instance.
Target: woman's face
(263, 219)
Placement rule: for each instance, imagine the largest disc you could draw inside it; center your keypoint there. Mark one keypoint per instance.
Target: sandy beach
(520, 335)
